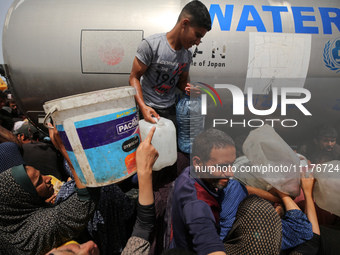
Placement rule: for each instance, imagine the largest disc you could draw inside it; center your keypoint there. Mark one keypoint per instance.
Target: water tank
(59, 48)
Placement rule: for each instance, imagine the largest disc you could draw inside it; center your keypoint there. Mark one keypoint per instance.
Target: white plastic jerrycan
(326, 188)
(276, 162)
(164, 140)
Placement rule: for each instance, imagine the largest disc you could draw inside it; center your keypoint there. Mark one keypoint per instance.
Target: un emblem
(331, 55)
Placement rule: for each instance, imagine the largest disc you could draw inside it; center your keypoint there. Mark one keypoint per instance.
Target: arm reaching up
(57, 142)
(146, 156)
(307, 185)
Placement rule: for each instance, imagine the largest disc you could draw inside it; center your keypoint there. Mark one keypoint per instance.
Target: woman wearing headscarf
(256, 229)
(29, 225)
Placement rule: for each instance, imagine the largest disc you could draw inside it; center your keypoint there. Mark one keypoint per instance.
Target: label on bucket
(109, 143)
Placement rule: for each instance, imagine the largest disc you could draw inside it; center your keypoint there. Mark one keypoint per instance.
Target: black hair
(208, 140)
(197, 13)
(325, 131)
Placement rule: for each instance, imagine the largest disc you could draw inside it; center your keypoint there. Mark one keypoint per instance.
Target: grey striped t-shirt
(165, 66)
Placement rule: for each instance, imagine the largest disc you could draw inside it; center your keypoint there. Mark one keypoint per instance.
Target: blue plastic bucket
(100, 132)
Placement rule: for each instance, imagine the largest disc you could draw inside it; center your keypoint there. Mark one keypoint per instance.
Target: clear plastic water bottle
(190, 121)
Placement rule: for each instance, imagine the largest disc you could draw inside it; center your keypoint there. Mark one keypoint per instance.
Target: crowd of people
(210, 212)
(187, 208)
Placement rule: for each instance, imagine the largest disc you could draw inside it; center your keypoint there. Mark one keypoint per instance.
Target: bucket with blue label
(100, 132)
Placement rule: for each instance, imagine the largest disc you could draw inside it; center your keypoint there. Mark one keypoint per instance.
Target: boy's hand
(274, 191)
(307, 184)
(192, 90)
(148, 112)
(51, 199)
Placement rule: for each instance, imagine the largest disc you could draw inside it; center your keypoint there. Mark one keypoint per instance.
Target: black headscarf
(18, 197)
(28, 225)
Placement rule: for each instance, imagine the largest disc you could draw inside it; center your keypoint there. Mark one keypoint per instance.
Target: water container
(246, 177)
(273, 160)
(100, 132)
(164, 141)
(189, 120)
(326, 188)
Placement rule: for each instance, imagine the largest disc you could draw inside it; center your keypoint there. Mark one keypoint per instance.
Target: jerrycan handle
(48, 115)
(159, 122)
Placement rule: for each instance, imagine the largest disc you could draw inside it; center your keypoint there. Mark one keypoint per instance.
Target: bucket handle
(48, 115)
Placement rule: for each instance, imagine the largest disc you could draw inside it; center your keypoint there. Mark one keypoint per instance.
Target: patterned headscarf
(28, 225)
(18, 198)
(256, 230)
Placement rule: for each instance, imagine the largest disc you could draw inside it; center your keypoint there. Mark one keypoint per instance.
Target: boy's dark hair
(208, 140)
(197, 13)
(325, 131)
